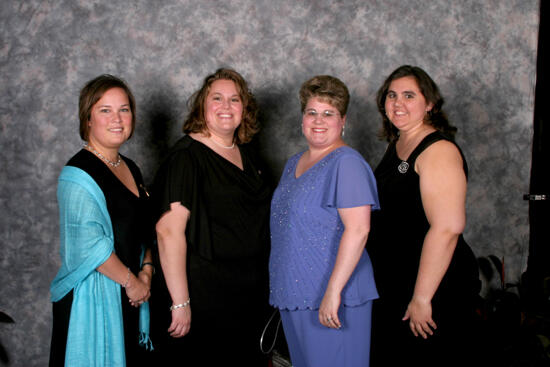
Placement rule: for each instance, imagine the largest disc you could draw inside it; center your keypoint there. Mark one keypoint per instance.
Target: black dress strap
(425, 143)
(429, 140)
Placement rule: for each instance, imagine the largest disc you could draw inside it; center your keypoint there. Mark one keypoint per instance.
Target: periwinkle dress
(305, 236)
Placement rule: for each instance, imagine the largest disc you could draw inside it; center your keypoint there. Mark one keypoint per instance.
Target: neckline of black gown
(212, 151)
(112, 177)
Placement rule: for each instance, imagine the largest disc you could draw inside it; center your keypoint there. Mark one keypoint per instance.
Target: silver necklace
(102, 157)
(223, 146)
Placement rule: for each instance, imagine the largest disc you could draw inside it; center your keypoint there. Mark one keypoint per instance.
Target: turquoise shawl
(96, 334)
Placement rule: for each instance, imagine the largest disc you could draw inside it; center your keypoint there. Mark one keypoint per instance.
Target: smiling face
(322, 124)
(110, 122)
(405, 104)
(223, 108)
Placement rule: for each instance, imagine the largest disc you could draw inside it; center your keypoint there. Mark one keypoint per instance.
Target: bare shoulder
(441, 151)
(440, 155)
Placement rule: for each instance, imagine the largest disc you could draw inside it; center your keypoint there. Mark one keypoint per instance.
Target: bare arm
(443, 191)
(173, 259)
(136, 290)
(352, 244)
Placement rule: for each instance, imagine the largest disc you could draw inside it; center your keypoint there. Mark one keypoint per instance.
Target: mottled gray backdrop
(481, 53)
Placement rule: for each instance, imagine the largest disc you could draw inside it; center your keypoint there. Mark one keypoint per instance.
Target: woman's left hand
(419, 314)
(145, 277)
(137, 291)
(352, 245)
(328, 311)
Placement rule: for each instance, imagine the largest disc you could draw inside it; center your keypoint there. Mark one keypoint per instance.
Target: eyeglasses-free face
(110, 122)
(223, 108)
(406, 106)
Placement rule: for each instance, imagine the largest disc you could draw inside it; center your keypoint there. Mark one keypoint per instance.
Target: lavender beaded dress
(305, 236)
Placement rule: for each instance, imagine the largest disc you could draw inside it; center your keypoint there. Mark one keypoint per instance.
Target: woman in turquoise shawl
(104, 240)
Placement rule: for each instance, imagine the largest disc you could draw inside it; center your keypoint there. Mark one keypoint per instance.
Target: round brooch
(403, 167)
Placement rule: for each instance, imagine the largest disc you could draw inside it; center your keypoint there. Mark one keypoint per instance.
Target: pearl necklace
(102, 157)
(223, 146)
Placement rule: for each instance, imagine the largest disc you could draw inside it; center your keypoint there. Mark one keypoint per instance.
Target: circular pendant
(403, 167)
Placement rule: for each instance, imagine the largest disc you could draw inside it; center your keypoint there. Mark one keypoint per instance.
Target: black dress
(227, 251)
(131, 223)
(394, 245)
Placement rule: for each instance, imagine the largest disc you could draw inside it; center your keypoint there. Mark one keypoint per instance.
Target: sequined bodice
(306, 231)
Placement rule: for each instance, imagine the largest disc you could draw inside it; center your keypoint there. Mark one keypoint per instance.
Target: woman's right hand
(419, 314)
(137, 291)
(181, 322)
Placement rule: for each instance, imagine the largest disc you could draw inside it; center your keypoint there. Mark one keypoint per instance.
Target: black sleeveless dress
(395, 246)
(132, 227)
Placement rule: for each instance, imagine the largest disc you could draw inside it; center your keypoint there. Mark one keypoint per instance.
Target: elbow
(457, 227)
(160, 229)
(163, 233)
(361, 233)
(170, 235)
(451, 227)
(365, 234)
(450, 231)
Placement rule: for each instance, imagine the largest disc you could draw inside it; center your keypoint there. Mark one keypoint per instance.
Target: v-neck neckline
(314, 165)
(138, 196)
(222, 157)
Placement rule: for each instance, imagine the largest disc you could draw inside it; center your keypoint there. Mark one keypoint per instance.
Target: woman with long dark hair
(425, 272)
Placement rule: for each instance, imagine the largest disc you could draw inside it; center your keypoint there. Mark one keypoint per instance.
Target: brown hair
(195, 121)
(435, 117)
(328, 89)
(92, 92)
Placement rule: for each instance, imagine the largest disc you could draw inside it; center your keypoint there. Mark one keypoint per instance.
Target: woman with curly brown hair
(321, 277)
(212, 212)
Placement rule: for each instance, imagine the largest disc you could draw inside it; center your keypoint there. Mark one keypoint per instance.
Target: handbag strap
(274, 338)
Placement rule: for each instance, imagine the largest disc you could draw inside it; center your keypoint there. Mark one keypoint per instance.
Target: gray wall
(481, 53)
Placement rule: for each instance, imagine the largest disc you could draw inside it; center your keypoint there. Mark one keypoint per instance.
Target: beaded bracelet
(181, 305)
(127, 279)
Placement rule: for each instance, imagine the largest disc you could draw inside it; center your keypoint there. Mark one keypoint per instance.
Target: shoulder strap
(429, 140)
(426, 142)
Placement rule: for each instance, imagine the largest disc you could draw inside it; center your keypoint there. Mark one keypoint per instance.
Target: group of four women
(227, 246)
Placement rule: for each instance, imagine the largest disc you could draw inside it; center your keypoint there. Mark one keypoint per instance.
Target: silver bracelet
(181, 305)
(127, 279)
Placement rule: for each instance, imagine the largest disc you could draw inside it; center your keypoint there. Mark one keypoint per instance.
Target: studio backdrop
(482, 54)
